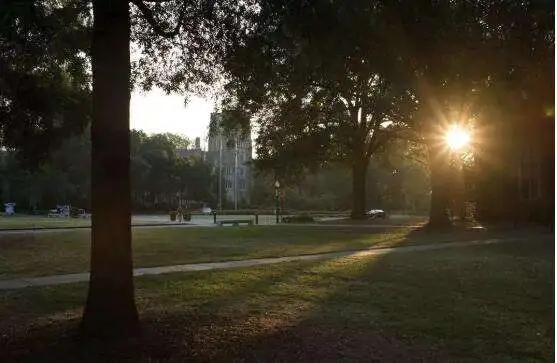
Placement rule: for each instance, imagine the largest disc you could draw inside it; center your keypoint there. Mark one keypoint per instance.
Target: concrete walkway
(20, 283)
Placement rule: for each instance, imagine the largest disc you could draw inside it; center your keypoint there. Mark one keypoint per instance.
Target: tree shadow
(419, 306)
(460, 306)
(174, 334)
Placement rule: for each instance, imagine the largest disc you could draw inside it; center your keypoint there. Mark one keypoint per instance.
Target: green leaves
(180, 44)
(316, 80)
(161, 169)
(44, 93)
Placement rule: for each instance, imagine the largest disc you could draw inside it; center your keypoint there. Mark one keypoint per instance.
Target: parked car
(206, 210)
(376, 214)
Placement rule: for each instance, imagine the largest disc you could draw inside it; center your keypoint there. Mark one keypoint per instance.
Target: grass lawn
(488, 303)
(30, 222)
(58, 252)
(41, 222)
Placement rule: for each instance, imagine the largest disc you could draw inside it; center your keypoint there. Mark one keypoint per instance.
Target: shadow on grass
(492, 303)
(487, 302)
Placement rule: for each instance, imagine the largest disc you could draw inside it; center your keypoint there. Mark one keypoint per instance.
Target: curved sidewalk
(23, 282)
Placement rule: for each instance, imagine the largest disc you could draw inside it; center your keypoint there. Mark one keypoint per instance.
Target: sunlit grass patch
(492, 303)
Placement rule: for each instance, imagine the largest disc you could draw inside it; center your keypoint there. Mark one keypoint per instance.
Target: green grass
(488, 303)
(59, 252)
(30, 222)
(38, 222)
(19, 222)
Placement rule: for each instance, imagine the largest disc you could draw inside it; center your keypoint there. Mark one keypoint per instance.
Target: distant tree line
(161, 177)
(397, 181)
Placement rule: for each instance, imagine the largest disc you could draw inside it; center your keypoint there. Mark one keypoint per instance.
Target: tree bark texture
(110, 308)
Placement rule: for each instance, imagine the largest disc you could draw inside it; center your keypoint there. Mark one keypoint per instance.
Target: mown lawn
(61, 252)
(41, 222)
(481, 303)
(20, 222)
(58, 252)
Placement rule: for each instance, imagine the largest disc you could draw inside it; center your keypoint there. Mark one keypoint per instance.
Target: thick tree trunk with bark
(439, 189)
(359, 170)
(110, 309)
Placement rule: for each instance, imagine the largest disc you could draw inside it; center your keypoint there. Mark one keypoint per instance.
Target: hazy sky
(155, 112)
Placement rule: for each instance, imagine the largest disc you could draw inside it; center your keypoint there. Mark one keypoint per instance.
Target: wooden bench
(234, 222)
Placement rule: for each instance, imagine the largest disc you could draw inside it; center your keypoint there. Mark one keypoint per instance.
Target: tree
(110, 307)
(44, 93)
(62, 177)
(161, 175)
(458, 58)
(313, 77)
(110, 304)
(43, 59)
(194, 180)
(178, 141)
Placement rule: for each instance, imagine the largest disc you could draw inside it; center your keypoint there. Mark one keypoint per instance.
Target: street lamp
(277, 186)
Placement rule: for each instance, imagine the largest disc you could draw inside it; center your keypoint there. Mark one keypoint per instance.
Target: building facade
(196, 152)
(230, 156)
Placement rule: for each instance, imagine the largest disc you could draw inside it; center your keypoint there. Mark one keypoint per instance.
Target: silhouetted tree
(44, 92)
(318, 81)
(462, 59)
(199, 31)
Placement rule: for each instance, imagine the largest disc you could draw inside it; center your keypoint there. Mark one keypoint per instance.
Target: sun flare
(456, 138)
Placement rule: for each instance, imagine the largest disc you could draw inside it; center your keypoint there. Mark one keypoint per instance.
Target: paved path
(82, 277)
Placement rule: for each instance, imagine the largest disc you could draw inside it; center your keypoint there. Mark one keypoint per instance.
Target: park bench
(234, 222)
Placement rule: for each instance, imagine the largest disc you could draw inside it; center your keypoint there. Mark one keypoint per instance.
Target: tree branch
(150, 18)
(372, 145)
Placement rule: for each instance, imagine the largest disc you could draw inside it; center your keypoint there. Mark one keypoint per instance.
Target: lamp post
(277, 186)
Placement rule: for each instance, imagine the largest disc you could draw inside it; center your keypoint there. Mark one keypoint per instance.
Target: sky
(156, 112)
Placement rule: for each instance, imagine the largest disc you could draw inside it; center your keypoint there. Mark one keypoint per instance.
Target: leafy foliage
(396, 180)
(161, 177)
(158, 173)
(312, 77)
(179, 45)
(44, 84)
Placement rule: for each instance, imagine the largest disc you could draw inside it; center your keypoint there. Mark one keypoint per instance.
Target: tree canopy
(312, 77)
(44, 80)
(323, 79)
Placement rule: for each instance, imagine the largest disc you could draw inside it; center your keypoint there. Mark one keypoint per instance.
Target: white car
(376, 213)
(206, 210)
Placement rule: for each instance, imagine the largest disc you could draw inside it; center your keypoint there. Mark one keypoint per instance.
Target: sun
(457, 138)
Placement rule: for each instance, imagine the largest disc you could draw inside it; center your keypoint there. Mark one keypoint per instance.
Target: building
(230, 155)
(196, 152)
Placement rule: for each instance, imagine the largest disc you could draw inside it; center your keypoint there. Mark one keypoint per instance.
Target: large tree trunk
(439, 189)
(110, 309)
(359, 170)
